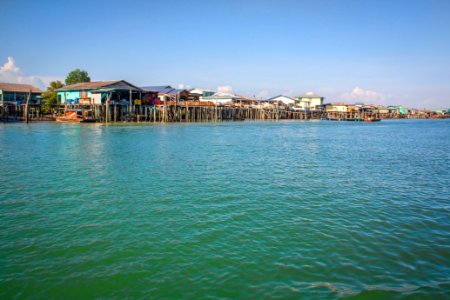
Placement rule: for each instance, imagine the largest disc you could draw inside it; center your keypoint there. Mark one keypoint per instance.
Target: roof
(338, 104)
(201, 90)
(223, 95)
(19, 88)
(245, 97)
(156, 88)
(310, 95)
(93, 85)
(168, 90)
(275, 98)
(176, 91)
(86, 85)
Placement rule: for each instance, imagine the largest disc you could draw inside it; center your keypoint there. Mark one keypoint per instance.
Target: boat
(371, 119)
(76, 116)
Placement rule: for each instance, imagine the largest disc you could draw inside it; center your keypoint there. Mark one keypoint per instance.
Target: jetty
(187, 112)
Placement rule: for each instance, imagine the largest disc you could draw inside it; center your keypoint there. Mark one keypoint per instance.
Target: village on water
(121, 101)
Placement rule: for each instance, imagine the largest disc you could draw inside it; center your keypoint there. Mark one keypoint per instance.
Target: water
(245, 210)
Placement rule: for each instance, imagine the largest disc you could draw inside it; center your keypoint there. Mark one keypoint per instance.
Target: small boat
(76, 116)
(371, 119)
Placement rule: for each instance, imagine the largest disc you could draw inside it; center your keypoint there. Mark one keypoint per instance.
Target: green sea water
(244, 210)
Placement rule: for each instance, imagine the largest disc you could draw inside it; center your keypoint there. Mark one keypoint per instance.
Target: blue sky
(387, 52)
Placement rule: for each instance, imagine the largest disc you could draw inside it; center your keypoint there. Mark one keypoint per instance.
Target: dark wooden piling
(189, 112)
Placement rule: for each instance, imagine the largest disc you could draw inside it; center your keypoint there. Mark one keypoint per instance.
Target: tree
(54, 85)
(77, 76)
(49, 98)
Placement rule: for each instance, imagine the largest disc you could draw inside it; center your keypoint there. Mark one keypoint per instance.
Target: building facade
(285, 100)
(310, 101)
(97, 92)
(16, 94)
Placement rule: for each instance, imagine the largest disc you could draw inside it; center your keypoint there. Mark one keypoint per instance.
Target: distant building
(380, 110)
(353, 108)
(158, 88)
(221, 98)
(15, 93)
(202, 93)
(398, 109)
(288, 101)
(368, 108)
(97, 92)
(168, 93)
(336, 107)
(441, 111)
(309, 101)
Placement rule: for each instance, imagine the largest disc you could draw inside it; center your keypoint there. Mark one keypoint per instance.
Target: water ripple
(310, 210)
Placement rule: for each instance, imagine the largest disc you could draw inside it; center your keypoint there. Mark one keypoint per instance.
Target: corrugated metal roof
(156, 88)
(245, 97)
(167, 91)
(93, 85)
(274, 98)
(222, 95)
(19, 88)
(86, 85)
(177, 91)
(163, 89)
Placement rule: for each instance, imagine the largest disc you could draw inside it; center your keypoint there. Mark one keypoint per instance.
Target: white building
(309, 101)
(202, 93)
(336, 107)
(288, 101)
(221, 98)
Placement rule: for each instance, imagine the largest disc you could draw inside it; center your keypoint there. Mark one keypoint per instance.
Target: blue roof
(157, 88)
(176, 91)
(163, 89)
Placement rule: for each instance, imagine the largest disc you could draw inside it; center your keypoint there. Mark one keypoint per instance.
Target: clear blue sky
(374, 51)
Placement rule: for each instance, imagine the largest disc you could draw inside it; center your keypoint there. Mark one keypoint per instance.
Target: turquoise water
(244, 210)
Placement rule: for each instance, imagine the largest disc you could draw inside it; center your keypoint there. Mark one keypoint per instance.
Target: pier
(187, 112)
(22, 113)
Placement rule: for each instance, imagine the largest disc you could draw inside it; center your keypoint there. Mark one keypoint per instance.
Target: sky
(380, 52)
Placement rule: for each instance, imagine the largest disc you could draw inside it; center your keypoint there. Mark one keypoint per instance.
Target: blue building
(16, 94)
(97, 92)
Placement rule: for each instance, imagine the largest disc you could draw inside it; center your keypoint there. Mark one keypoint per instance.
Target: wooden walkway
(184, 113)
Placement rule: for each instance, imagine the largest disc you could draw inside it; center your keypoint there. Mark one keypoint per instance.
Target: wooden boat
(371, 119)
(76, 116)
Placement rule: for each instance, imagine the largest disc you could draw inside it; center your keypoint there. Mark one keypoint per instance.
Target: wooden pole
(131, 102)
(27, 117)
(107, 108)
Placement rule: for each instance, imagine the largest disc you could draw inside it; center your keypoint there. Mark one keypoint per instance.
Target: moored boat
(76, 116)
(371, 119)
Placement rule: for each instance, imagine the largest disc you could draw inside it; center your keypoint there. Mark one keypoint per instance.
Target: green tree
(77, 76)
(49, 98)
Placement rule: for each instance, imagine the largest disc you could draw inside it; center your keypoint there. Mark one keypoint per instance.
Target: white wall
(316, 102)
(96, 98)
(285, 100)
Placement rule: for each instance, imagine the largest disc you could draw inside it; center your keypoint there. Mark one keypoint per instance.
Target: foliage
(77, 76)
(49, 98)
(54, 85)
